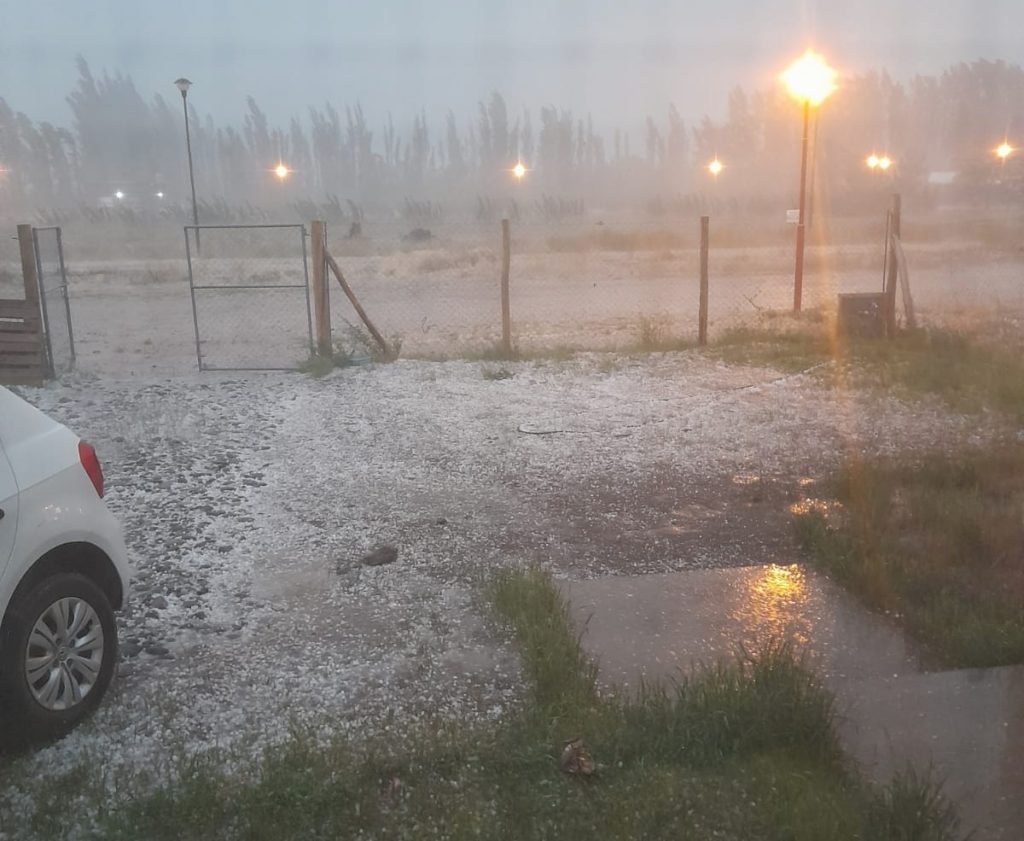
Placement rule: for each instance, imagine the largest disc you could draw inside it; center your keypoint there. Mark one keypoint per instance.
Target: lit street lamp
(716, 167)
(810, 81)
(183, 85)
(1004, 150)
(281, 171)
(519, 170)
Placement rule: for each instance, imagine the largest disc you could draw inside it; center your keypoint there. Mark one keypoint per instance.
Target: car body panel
(9, 507)
(56, 501)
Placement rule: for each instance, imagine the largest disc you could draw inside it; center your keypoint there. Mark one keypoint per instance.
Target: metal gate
(250, 296)
(53, 300)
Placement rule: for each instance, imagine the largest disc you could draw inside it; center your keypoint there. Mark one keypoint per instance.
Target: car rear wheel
(57, 657)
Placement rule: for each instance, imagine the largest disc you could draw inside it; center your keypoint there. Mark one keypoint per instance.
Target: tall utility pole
(801, 230)
(183, 85)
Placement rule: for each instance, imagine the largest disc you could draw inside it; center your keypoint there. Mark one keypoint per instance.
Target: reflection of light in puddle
(745, 479)
(774, 603)
(806, 480)
(815, 506)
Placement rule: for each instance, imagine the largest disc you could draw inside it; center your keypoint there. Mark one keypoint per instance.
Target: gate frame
(41, 280)
(303, 233)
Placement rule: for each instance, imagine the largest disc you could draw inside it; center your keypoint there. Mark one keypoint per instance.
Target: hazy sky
(618, 60)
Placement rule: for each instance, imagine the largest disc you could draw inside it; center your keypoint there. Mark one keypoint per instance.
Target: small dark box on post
(862, 314)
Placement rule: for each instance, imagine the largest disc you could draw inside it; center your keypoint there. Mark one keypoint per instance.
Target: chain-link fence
(250, 296)
(54, 300)
(575, 283)
(605, 282)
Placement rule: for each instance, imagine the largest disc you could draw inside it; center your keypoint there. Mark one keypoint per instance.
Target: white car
(63, 573)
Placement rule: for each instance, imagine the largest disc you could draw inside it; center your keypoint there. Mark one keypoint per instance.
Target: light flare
(809, 79)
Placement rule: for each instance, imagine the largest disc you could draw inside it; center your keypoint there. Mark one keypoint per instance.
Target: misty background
(412, 104)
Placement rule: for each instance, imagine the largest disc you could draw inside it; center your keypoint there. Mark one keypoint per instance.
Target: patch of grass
(788, 350)
(937, 542)
(497, 373)
(317, 366)
(968, 374)
(740, 750)
(653, 335)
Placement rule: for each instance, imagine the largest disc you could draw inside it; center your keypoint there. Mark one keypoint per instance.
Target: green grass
(937, 541)
(969, 375)
(737, 750)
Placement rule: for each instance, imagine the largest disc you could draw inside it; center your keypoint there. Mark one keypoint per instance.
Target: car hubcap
(65, 652)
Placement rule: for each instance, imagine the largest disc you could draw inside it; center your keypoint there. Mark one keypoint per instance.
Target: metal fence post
(702, 316)
(506, 307)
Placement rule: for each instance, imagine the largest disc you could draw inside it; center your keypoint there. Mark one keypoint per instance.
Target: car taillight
(87, 455)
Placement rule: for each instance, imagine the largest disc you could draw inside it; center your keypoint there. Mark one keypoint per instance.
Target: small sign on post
(793, 217)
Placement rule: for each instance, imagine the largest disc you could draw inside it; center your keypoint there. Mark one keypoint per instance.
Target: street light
(281, 171)
(183, 85)
(810, 81)
(519, 170)
(716, 167)
(1004, 151)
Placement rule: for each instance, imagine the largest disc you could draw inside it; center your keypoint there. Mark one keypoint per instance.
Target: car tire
(58, 651)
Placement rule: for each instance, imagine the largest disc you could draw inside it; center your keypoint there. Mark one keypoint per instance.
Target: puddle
(969, 724)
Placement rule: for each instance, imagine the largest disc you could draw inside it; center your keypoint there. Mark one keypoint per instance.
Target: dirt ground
(249, 502)
(249, 499)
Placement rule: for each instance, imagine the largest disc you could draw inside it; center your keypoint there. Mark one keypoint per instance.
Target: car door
(8, 510)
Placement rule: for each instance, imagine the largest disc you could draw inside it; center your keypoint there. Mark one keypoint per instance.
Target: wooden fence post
(26, 245)
(321, 293)
(702, 316)
(506, 306)
(892, 270)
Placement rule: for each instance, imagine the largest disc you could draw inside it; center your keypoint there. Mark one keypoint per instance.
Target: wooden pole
(892, 274)
(26, 246)
(321, 292)
(702, 317)
(506, 306)
(357, 306)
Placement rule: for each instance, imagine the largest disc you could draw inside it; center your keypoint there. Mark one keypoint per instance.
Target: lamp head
(809, 79)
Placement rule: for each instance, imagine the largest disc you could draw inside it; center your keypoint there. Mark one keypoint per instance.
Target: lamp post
(810, 81)
(183, 85)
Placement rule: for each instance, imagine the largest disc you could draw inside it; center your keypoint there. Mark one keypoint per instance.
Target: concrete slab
(969, 725)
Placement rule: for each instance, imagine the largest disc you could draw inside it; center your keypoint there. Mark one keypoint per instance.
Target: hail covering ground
(248, 503)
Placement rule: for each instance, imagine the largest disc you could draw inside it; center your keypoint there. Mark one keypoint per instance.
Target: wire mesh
(54, 299)
(250, 296)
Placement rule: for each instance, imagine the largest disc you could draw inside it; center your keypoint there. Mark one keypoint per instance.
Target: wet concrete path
(967, 724)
